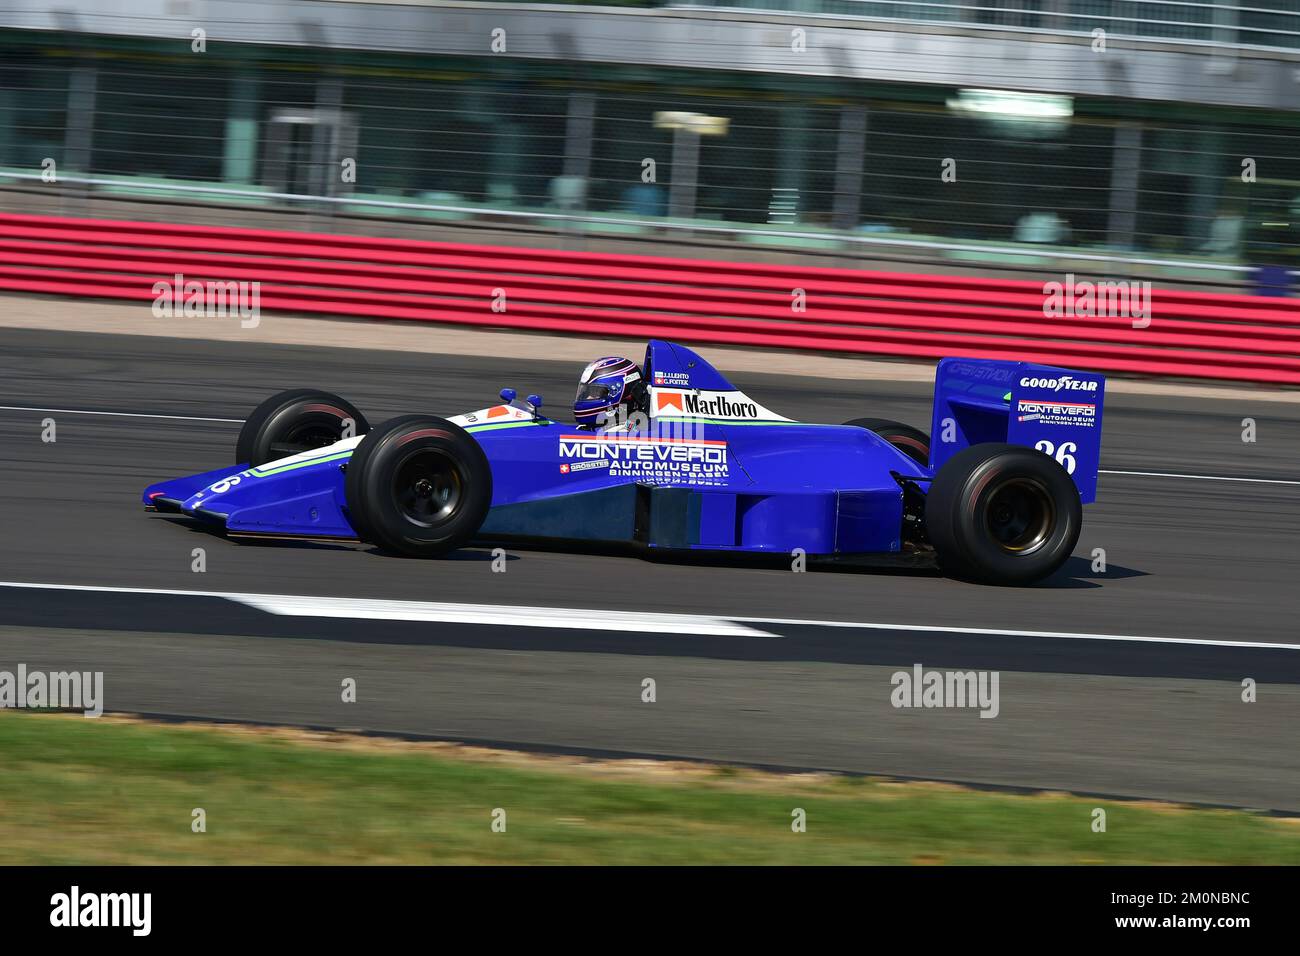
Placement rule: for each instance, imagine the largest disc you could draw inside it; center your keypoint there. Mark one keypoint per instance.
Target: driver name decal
(663, 460)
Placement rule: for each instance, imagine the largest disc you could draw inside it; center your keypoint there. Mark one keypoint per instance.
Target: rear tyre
(912, 442)
(1002, 514)
(296, 421)
(418, 486)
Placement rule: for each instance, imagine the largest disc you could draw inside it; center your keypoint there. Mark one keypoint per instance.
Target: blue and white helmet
(605, 384)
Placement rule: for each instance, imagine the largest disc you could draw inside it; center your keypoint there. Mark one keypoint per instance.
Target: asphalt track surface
(1207, 566)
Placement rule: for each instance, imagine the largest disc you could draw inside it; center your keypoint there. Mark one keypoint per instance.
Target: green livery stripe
(264, 472)
(500, 425)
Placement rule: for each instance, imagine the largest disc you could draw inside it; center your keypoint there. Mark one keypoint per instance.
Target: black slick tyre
(1002, 514)
(418, 486)
(295, 421)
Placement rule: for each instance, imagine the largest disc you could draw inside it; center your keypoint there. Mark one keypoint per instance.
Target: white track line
(239, 422)
(296, 605)
(1008, 632)
(83, 411)
(577, 618)
(1164, 474)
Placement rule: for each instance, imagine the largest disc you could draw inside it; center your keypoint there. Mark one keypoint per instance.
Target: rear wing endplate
(1055, 410)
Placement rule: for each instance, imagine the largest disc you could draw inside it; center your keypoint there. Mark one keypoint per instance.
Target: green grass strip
(111, 791)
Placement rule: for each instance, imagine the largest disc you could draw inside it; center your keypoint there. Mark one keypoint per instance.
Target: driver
(606, 386)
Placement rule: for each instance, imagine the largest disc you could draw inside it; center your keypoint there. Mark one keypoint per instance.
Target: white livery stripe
(636, 440)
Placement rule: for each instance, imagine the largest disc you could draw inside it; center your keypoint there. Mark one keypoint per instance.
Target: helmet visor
(592, 392)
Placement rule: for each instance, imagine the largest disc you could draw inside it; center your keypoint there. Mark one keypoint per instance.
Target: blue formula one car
(670, 456)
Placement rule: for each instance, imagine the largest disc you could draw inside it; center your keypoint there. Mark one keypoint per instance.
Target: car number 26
(1064, 454)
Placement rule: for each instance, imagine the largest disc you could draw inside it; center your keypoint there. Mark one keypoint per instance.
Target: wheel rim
(1020, 515)
(428, 488)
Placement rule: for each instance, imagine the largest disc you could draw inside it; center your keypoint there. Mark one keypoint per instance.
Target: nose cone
(180, 491)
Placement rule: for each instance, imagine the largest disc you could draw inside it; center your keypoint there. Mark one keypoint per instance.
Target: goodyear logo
(1061, 383)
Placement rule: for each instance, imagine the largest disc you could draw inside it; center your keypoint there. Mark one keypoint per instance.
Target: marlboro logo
(731, 406)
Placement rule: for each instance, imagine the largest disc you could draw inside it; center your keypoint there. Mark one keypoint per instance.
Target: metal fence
(621, 158)
(1262, 24)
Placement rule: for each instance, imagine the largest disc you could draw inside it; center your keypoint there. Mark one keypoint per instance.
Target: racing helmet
(606, 384)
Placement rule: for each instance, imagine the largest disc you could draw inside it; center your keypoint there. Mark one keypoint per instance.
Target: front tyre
(295, 421)
(418, 486)
(1002, 514)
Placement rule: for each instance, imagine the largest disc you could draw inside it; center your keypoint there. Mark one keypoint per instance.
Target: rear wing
(1056, 410)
